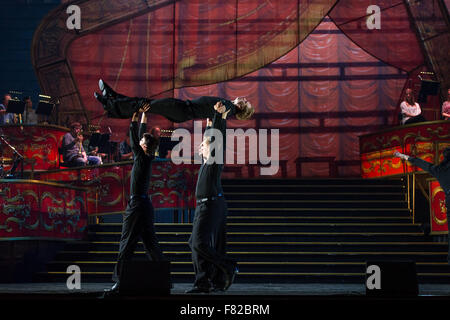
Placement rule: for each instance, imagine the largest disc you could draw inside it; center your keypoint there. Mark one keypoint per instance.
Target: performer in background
(156, 132)
(411, 112)
(175, 110)
(213, 270)
(5, 117)
(441, 172)
(73, 151)
(446, 107)
(30, 116)
(138, 217)
(125, 149)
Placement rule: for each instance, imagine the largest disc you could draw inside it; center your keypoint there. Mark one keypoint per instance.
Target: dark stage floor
(241, 301)
(239, 289)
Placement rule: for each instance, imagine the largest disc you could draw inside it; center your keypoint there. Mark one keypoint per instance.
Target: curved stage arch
(322, 94)
(52, 40)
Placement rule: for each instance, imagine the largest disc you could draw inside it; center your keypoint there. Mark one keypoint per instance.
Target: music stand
(94, 140)
(15, 106)
(166, 144)
(427, 88)
(44, 108)
(103, 144)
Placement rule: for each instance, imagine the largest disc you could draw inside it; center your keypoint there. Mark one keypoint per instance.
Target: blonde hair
(246, 112)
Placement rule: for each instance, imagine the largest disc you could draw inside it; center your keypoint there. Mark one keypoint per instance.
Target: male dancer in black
(138, 216)
(441, 172)
(213, 270)
(176, 110)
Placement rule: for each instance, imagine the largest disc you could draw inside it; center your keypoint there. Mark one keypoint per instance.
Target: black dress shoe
(218, 289)
(100, 98)
(112, 292)
(198, 290)
(107, 91)
(230, 273)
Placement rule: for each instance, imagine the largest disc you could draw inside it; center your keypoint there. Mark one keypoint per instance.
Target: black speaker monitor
(391, 278)
(148, 278)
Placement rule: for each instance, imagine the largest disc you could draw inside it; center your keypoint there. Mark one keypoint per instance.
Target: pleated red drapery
(321, 94)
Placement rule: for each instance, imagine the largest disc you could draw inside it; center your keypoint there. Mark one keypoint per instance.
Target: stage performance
(138, 219)
(244, 152)
(175, 110)
(213, 270)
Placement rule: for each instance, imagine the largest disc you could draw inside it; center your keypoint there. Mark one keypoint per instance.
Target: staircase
(294, 231)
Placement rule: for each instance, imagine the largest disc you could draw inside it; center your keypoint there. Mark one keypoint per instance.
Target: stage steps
(296, 231)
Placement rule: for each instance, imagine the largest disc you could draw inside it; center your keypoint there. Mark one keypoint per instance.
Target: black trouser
(137, 223)
(208, 243)
(175, 110)
(447, 205)
(415, 119)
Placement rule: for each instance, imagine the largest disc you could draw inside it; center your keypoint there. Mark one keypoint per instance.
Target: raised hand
(225, 114)
(401, 155)
(219, 107)
(145, 107)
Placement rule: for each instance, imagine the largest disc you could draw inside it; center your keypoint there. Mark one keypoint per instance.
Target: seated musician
(5, 117)
(74, 154)
(30, 116)
(156, 132)
(446, 107)
(411, 112)
(125, 149)
(93, 150)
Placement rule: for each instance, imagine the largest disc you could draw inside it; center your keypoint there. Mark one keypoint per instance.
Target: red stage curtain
(324, 115)
(321, 94)
(395, 42)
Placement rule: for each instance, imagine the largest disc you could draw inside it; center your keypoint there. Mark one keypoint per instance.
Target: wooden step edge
(333, 243)
(312, 201)
(269, 224)
(289, 263)
(423, 253)
(317, 193)
(319, 209)
(275, 233)
(263, 185)
(315, 274)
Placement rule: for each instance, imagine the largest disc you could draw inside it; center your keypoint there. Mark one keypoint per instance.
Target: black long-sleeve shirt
(177, 110)
(441, 172)
(203, 107)
(142, 170)
(209, 183)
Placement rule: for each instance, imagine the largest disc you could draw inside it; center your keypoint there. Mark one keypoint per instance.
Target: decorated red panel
(425, 140)
(438, 209)
(171, 186)
(62, 212)
(20, 210)
(106, 189)
(45, 210)
(59, 175)
(37, 143)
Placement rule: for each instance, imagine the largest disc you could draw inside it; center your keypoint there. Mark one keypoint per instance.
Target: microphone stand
(17, 153)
